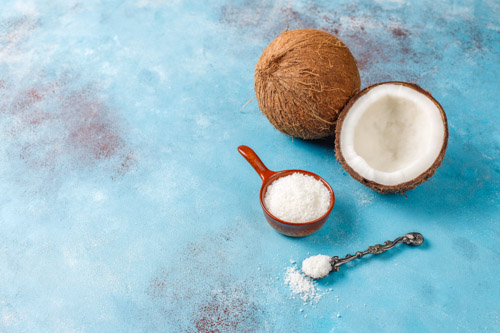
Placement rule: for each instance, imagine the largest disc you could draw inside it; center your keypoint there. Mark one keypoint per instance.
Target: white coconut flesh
(392, 134)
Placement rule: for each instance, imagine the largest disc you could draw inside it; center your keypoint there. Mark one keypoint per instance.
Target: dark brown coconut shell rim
(403, 187)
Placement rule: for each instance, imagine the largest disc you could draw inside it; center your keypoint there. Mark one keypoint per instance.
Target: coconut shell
(303, 79)
(403, 187)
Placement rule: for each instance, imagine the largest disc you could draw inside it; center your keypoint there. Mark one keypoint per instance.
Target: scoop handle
(255, 162)
(412, 238)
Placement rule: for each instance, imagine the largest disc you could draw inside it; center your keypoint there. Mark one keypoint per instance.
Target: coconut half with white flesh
(392, 136)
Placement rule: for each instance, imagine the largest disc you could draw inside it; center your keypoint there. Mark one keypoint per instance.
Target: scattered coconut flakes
(302, 285)
(299, 284)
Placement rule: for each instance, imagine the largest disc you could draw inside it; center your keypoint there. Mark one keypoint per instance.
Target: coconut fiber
(302, 81)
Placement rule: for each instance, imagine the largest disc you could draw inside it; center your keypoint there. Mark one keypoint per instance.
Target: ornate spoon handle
(412, 238)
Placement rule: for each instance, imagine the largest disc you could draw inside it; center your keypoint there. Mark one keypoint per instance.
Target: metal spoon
(412, 238)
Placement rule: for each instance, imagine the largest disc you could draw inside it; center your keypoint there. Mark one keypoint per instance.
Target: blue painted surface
(124, 205)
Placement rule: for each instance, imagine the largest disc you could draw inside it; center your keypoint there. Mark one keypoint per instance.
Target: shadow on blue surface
(341, 224)
(463, 183)
(393, 256)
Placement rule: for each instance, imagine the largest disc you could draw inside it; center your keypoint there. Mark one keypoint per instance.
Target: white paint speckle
(202, 121)
(8, 319)
(399, 2)
(117, 41)
(99, 196)
(26, 8)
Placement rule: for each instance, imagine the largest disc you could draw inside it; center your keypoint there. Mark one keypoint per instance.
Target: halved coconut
(392, 136)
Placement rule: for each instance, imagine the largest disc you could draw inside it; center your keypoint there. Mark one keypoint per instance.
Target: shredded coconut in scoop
(297, 198)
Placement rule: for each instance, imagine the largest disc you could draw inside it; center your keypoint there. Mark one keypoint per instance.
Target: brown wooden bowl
(268, 177)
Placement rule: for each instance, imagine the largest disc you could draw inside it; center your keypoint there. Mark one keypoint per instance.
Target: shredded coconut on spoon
(317, 267)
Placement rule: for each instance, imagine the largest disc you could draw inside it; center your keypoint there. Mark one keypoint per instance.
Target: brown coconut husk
(403, 187)
(303, 79)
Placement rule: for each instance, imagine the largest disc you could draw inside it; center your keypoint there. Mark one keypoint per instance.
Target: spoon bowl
(268, 177)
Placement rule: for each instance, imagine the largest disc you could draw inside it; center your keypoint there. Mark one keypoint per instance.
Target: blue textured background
(124, 205)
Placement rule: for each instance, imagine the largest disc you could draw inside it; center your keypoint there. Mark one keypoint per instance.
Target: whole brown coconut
(302, 81)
